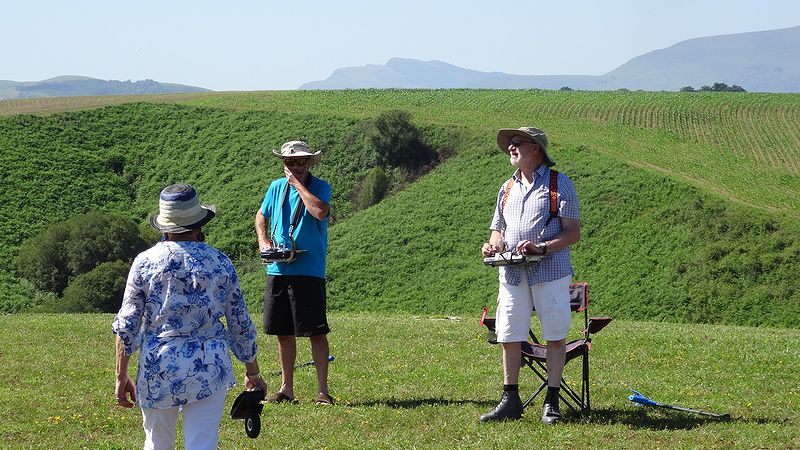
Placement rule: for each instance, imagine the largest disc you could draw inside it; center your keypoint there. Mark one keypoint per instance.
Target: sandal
(280, 397)
(324, 399)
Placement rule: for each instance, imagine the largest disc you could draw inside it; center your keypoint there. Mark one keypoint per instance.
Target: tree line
(716, 87)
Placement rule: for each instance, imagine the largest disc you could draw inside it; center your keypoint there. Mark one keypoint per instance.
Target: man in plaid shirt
(522, 222)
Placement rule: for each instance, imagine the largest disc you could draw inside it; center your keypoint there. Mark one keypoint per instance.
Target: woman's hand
(256, 381)
(124, 387)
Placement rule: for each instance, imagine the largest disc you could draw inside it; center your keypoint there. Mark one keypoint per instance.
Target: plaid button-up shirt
(524, 216)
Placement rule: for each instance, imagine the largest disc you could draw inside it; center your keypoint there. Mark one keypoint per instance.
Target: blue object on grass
(640, 399)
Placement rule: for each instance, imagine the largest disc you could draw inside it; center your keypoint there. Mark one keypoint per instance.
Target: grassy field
(405, 381)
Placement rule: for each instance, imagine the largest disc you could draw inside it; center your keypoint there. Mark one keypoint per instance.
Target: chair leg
(569, 396)
(529, 362)
(587, 404)
(533, 396)
(576, 402)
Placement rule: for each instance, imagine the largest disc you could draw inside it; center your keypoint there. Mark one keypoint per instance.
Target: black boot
(550, 413)
(509, 408)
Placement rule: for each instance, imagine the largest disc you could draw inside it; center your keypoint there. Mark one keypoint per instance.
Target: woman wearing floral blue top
(176, 296)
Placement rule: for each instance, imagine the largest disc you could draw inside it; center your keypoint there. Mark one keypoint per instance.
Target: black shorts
(294, 305)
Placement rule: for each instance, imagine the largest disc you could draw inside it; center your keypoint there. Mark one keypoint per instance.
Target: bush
(397, 142)
(77, 245)
(99, 237)
(42, 259)
(99, 290)
(20, 295)
(371, 189)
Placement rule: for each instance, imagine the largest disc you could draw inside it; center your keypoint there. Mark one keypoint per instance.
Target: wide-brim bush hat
(179, 210)
(536, 135)
(298, 149)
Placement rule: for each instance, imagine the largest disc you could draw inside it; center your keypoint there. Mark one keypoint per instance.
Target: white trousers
(200, 424)
(515, 305)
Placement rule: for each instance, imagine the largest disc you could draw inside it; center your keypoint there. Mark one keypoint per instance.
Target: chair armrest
(486, 321)
(598, 323)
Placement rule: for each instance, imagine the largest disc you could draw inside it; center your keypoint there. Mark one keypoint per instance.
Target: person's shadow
(659, 420)
(653, 419)
(412, 403)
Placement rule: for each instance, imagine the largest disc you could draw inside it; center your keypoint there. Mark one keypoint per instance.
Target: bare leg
(287, 352)
(556, 357)
(512, 361)
(320, 352)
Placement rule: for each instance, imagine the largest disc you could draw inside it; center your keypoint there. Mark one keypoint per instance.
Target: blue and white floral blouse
(175, 297)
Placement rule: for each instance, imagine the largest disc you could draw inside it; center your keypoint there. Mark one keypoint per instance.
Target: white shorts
(515, 305)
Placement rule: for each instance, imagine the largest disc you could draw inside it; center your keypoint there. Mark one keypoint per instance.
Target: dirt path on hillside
(722, 192)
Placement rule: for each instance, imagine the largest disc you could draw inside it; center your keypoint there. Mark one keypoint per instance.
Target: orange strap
(553, 195)
(509, 185)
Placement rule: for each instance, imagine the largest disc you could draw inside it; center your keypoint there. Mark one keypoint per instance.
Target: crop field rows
(769, 135)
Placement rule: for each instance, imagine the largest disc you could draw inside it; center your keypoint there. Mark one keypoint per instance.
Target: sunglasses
(295, 162)
(518, 142)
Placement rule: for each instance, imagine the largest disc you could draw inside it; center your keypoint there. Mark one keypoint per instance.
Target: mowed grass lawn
(422, 382)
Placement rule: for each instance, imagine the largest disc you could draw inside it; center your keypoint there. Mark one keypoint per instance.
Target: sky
(253, 45)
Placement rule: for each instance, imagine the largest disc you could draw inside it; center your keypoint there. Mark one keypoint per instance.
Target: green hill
(72, 86)
(689, 201)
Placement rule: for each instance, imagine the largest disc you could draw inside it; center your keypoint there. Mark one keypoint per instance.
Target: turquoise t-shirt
(310, 234)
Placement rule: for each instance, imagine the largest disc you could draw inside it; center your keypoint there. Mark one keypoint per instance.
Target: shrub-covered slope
(653, 246)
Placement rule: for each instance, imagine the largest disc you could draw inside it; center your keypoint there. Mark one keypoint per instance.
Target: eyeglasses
(518, 142)
(295, 162)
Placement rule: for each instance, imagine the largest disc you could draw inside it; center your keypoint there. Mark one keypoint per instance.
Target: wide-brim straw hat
(536, 135)
(298, 149)
(179, 210)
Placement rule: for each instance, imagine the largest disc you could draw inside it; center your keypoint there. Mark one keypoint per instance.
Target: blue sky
(264, 45)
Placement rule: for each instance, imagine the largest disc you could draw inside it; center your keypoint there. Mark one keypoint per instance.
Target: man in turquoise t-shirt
(297, 208)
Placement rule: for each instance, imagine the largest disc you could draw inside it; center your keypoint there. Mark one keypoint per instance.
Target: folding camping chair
(534, 353)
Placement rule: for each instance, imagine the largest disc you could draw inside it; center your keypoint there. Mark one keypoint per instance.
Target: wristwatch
(543, 247)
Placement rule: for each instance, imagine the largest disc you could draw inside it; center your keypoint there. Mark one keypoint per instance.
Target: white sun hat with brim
(179, 210)
(536, 135)
(298, 149)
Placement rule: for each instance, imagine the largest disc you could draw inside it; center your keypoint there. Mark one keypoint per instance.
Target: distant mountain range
(763, 61)
(72, 86)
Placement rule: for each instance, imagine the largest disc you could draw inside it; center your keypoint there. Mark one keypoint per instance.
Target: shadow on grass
(661, 420)
(417, 402)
